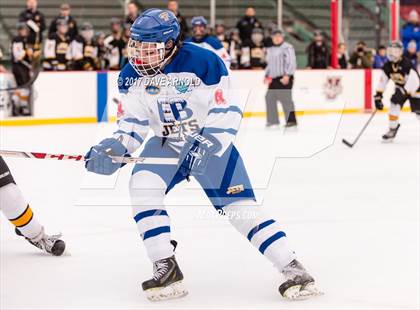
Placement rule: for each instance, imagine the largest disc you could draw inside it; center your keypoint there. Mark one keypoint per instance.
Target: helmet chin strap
(169, 58)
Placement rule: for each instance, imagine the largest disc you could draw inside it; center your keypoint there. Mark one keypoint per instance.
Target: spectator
(342, 56)
(84, 50)
(125, 37)
(361, 57)
(99, 41)
(257, 49)
(281, 66)
(173, 7)
(411, 54)
(235, 49)
(245, 25)
(64, 14)
(132, 12)
(411, 30)
(2, 68)
(318, 52)
(57, 53)
(22, 54)
(115, 45)
(35, 20)
(380, 58)
(219, 32)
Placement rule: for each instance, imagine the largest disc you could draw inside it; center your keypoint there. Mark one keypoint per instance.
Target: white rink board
(62, 95)
(74, 94)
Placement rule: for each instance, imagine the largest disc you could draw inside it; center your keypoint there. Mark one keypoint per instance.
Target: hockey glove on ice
(196, 153)
(98, 158)
(378, 101)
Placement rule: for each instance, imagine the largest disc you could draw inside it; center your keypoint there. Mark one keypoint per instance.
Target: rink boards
(87, 97)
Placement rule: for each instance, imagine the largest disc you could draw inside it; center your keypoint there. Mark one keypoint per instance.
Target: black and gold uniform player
(407, 87)
(22, 56)
(84, 50)
(57, 53)
(20, 214)
(35, 20)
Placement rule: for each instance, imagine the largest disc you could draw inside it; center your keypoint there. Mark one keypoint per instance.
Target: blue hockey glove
(98, 158)
(196, 152)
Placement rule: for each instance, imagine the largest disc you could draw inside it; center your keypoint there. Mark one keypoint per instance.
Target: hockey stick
(117, 159)
(361, 132)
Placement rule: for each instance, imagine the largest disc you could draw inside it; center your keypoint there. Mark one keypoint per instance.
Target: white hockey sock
(147, 191)
(19, 213)
(262, 231)
(394, 114)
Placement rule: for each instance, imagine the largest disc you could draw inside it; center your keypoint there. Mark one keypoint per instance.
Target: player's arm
(132, 127)
(413, 82)
(383, 81)
(49, 54)
(218, 133)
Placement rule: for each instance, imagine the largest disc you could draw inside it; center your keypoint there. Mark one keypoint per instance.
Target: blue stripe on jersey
(220, 130)
(225, 110)
(156, 231)
(135, 121)
(258, 228)
(155, 212)
(270, 240)
(131, 134)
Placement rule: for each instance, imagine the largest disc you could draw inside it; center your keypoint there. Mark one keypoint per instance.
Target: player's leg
(148, 187)
(397, 102)
(394, 124)
(228, 187)
(20, 214)
(287, 103)
(415, 105)
(271, 106)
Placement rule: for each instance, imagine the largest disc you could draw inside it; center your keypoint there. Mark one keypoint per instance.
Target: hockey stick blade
(361, 131)
(117, 159)
(347, 143)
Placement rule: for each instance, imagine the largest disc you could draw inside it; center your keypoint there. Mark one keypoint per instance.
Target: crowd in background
(69, 46)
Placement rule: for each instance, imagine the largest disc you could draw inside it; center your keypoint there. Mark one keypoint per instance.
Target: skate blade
(175, 290)
(299, 292)
(387, 141)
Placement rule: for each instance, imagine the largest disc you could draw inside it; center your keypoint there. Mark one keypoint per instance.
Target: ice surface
(352, 215)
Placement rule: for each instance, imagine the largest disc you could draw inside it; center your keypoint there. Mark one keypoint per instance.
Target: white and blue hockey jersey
(193, 92)
(213, 44)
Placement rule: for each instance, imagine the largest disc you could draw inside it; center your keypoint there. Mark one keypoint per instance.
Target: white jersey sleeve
(412, 84)
(225, 113)
(49, 49)
(383, 81)
(133, 121)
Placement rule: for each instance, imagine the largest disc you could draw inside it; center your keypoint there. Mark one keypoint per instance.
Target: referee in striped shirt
(281, 65)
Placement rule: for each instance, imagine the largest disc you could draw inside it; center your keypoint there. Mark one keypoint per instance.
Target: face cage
(394, 53)
(147, 58)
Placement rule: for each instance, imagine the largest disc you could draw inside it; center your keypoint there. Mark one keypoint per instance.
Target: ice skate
(390, 135)
(166, 282)
(49, 244)
(299, 284)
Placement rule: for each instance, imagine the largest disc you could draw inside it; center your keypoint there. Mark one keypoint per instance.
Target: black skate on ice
(49, 244)
(166, 282)
(390, 135)
(299, 283)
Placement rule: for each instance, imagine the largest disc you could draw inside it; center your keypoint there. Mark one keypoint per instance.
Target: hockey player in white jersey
(201, 38)
(183, 93)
